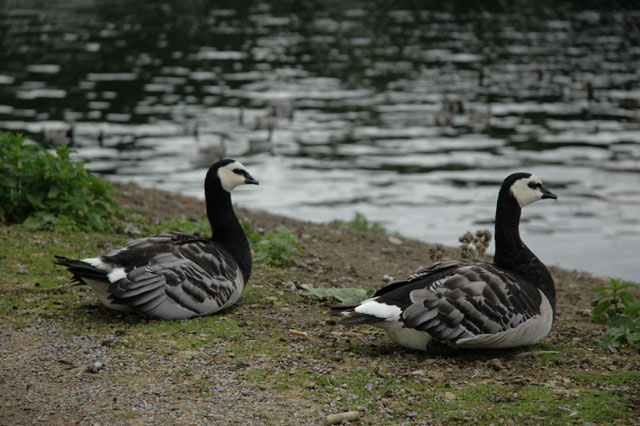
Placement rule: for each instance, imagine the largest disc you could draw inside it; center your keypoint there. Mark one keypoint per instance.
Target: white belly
(529, 332)
(100, 288)
(407, 337)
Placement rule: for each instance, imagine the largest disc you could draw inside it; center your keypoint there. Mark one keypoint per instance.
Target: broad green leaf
(626, 298)
(633, 310)
(35, 197)
(53, 192)
(37, 181)
(598, 313)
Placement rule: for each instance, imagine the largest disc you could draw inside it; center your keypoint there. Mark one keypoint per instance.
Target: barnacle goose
(175, 275)
(470, 303)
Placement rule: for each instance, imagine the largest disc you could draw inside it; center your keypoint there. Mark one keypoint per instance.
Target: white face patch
(228, 178)
(527, 190)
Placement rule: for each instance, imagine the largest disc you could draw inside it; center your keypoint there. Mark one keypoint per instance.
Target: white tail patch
(380, 310)
(116, 275)
(390, 322)
(113, 274)
(97, 263)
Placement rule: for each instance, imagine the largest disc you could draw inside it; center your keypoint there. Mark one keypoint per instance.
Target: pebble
(95, 367)
(495, 365)
(450, 396)
(132, 229)
(395, 240)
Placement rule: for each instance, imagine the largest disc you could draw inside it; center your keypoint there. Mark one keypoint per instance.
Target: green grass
(611, 378)
(483, 404)
(32, 287)
(361, 223)
(533, 404)
(130, 415)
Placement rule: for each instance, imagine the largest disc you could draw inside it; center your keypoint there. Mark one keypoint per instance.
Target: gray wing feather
(176, 277)
(470, 300)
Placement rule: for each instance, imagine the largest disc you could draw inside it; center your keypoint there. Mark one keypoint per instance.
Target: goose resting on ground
(470, 303)
(175, 275)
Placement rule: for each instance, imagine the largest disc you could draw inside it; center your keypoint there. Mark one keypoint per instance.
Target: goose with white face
(234, 174)
(530, 189)
(471, 303)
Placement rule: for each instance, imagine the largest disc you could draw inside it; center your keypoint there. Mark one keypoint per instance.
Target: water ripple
(412, 116)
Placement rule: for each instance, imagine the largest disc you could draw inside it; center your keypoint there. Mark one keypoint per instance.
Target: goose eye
(240, 172)
(534, 185)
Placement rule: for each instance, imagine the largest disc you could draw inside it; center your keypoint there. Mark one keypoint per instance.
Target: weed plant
(360, 222)
(277, 249)
(474, 245)
(46, 190)
(436, 252)
(620, 311)
(201, 228)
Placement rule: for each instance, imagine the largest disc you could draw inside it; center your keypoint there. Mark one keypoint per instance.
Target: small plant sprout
(360, 222)
(201, 228)
(620, 311)
(277, 249)
(253, 236)
(474, 245)
(436, 252)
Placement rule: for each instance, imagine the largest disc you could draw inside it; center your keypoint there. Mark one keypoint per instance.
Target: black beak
(249, 180)
(548, 194)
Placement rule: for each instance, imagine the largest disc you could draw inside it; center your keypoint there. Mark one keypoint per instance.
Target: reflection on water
(411, 116)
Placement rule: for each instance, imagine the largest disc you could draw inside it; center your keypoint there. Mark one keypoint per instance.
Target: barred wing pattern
(175, 276)
(460, 300)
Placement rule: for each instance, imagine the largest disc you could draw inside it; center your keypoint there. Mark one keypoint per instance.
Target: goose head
(230, 173)
(527, 188)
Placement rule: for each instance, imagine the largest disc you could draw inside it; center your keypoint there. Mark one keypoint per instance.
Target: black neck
(512, 254)
(227, 231)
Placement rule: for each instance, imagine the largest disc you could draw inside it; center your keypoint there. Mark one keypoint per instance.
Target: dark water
(409, 112)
